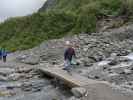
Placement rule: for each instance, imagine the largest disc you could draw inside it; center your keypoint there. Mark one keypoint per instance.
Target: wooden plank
(71, 80)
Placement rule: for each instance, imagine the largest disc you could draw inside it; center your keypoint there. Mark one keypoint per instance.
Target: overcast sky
(10, 8)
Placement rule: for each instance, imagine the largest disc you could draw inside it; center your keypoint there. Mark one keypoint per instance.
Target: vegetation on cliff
(62, 18)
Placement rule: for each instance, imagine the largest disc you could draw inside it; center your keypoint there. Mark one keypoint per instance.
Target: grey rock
(6, 71)
(127, 71)
(11, 85)
(34, 96)
(74, 98)
(34, 85)
(78, 92)
(32, 60)
(16, 76)
(47, 5)
(2, 78)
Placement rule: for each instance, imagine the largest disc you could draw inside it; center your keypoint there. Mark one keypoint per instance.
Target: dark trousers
(4, 58)
(0, 57)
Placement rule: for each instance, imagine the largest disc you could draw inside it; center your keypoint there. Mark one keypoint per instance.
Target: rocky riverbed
(20, 81)
(105, 56)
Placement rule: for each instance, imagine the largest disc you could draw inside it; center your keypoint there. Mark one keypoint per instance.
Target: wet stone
(34, 85)
(78, 92)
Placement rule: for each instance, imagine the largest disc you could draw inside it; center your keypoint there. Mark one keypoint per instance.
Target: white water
(130, 56)
(102, 63)
(13, 8)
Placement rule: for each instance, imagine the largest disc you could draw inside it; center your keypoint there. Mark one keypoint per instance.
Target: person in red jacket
(69, 54)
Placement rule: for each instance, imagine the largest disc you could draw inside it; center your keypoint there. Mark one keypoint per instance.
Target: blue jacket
(4, 53)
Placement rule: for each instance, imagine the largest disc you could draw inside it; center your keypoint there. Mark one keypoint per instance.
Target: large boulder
(32, 60)
(78, 92)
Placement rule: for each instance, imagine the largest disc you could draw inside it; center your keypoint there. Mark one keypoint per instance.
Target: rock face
(48, 4)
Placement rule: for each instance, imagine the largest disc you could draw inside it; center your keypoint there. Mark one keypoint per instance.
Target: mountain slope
(59, 18)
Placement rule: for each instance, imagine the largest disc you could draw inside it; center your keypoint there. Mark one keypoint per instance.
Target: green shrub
(127, 7)
(65, 17)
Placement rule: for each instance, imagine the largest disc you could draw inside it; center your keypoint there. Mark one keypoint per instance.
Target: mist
(13, 8)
